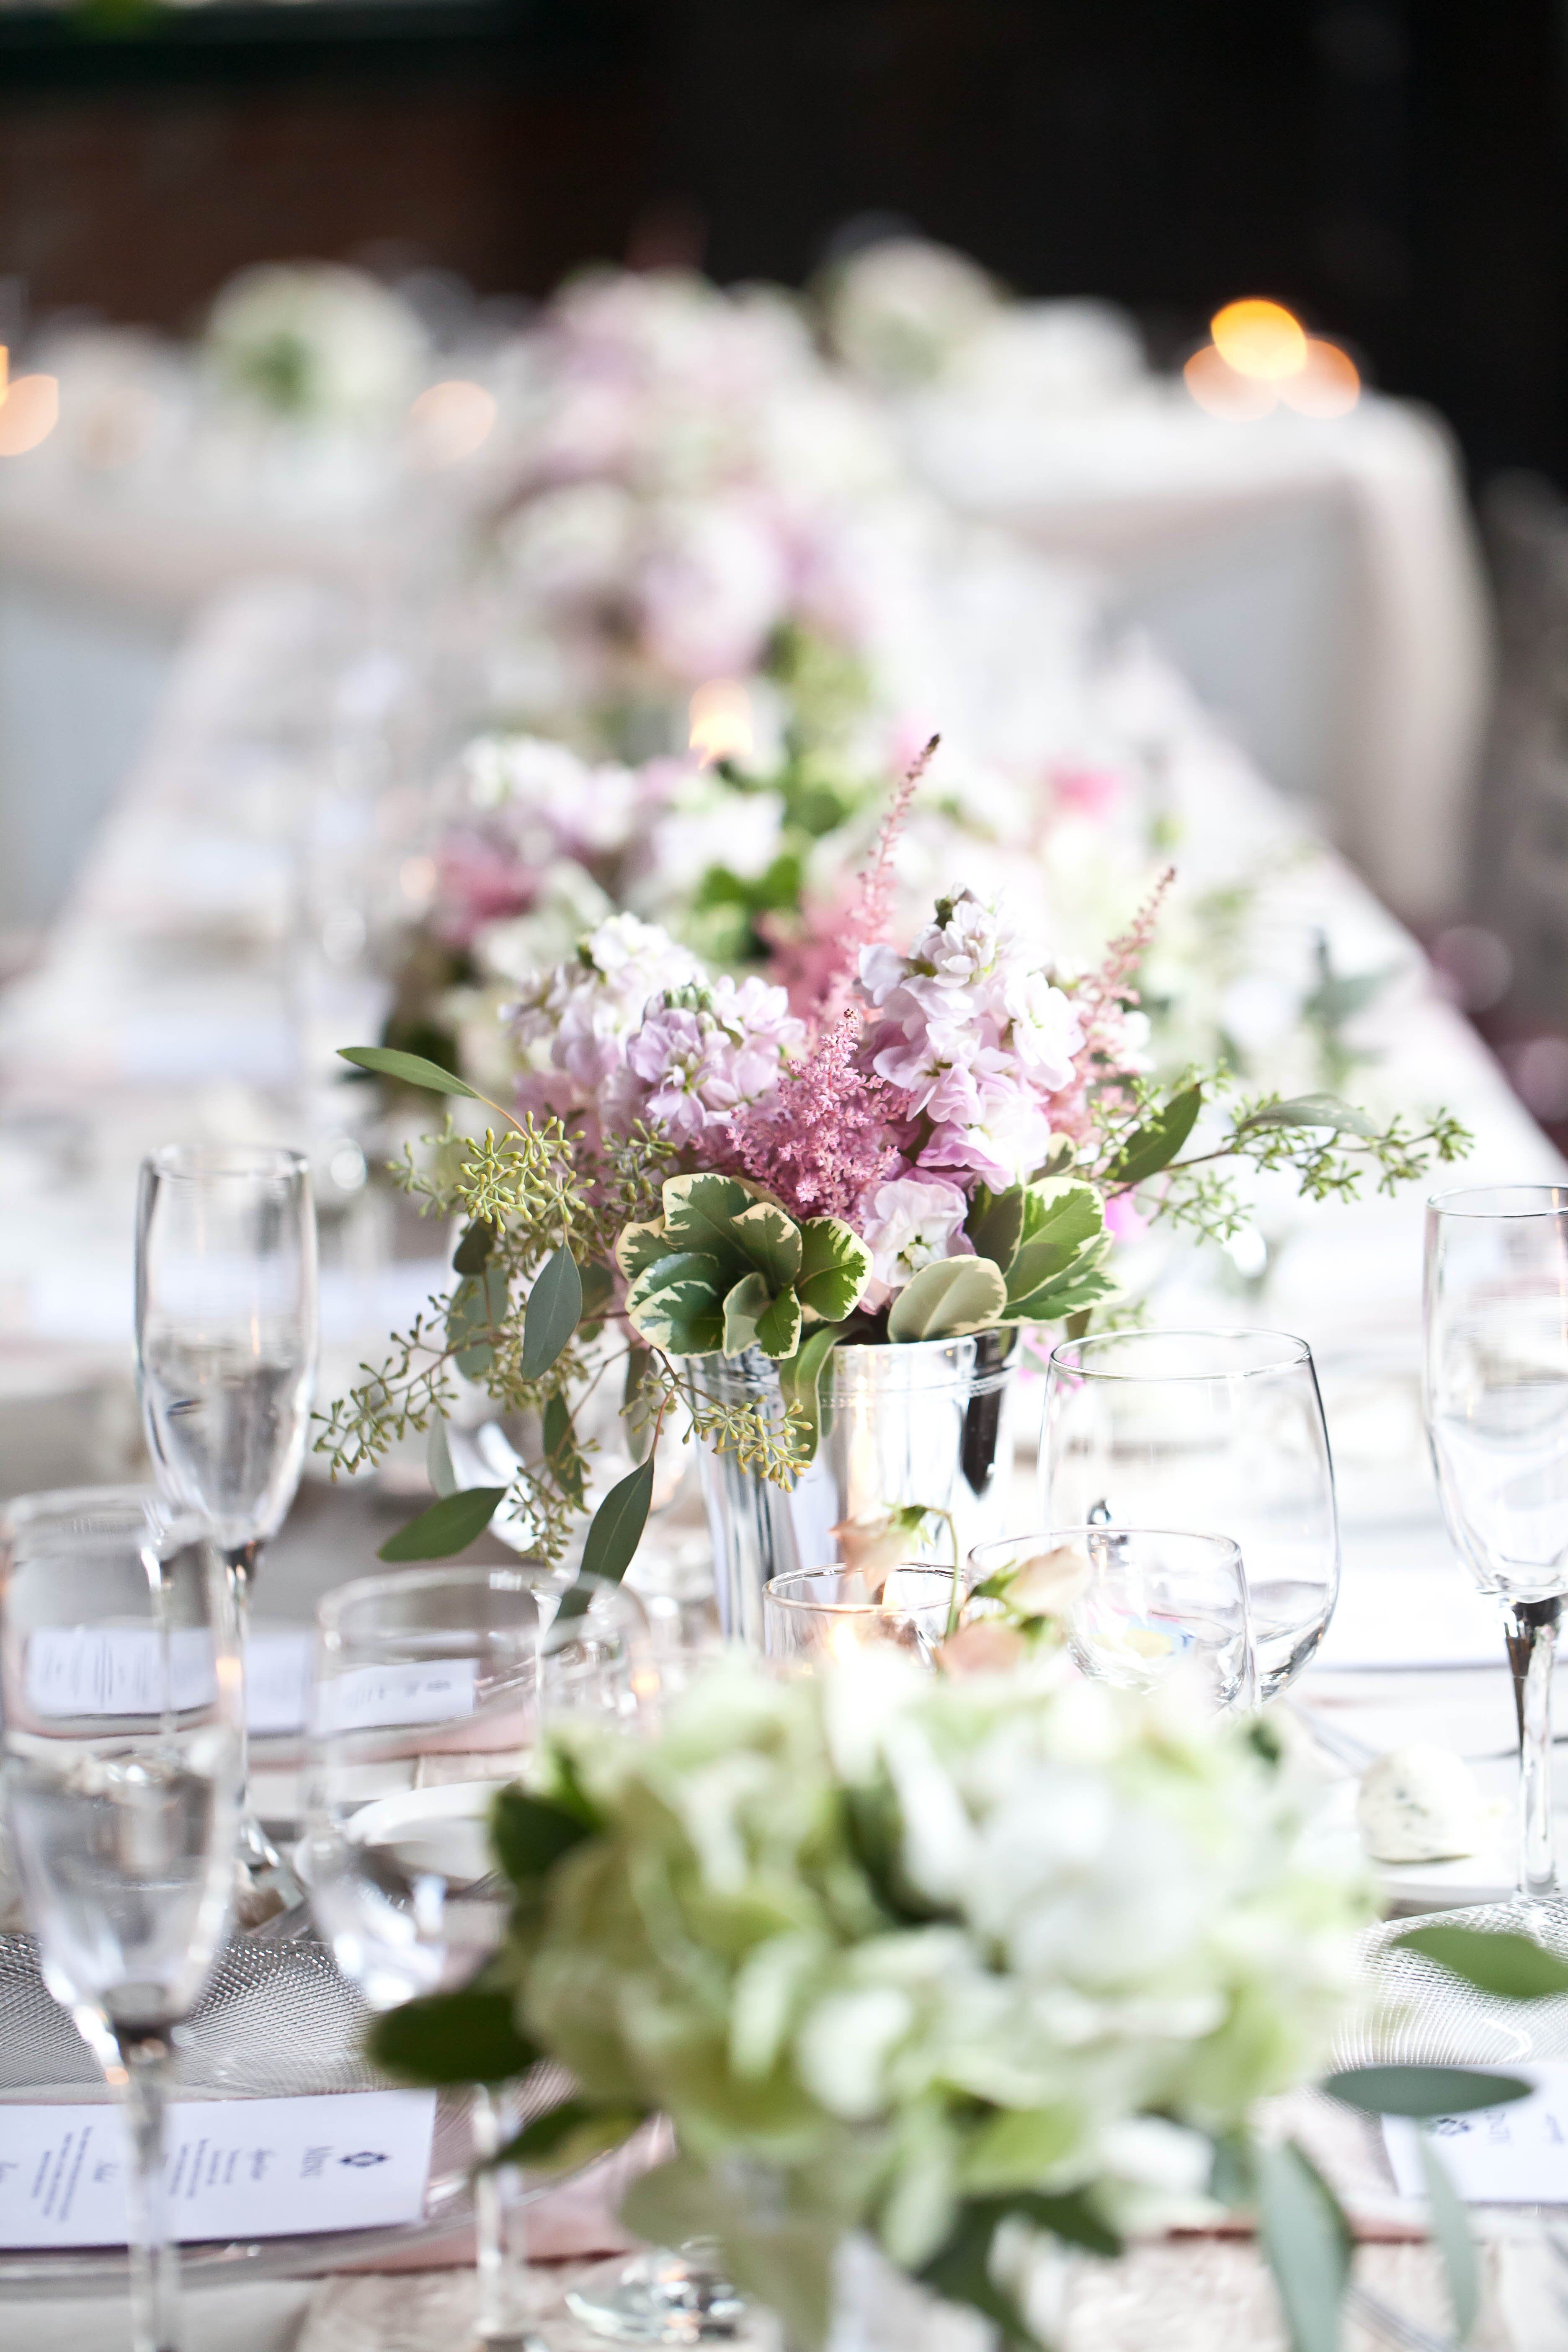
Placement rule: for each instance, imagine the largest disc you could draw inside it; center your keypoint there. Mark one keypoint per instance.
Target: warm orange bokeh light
(4, 370)
(1260, 339)
(1327, 386)
(28, 414)
(721, 721)
(452, 420)
(1216, 387)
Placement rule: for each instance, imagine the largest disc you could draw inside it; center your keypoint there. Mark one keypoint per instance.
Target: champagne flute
(123, 1711)
(226, 1357)
(1495, 1389)
(425, 1704)
(1218, 1432)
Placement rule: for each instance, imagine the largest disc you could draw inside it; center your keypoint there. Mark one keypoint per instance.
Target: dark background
(1395, 170)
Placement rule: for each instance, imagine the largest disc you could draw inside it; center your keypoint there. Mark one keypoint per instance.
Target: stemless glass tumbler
(225, 1352)
(1218, 1432)
(828, 1616)
(1497, 1419)
(1147, 1605)
(122, 1696)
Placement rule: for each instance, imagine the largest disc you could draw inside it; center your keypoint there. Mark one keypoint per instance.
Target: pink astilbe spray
(870, 911)
(825, 1139)
(1106, 1003)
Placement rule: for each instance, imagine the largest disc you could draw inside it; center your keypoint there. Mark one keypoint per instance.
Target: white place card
(384, 1698)
(236, 2168)
(118, 1670)
(1516, 2155)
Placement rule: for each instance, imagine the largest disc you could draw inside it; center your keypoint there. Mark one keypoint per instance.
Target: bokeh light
(1328, 385)
(1474, 967)
(1539, 1068)
(451, 421)
(722, 727)
(1260, 339)
(28, 414)
(1215, 384)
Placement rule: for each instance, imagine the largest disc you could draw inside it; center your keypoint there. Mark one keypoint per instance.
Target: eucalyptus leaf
(616, 1527)
(452, 2037)
(554, 1304)
(995, 1225)
(948, 1297)
(530, 1834)
(447, 1527)
(560, 1447)
(1157, 1143)
(1450, 2226)
(800, 1378)
(1422, 2092)
(473, 1251)
(835, 1268)
(744, 1306)
(1513, 1965)
(1312, 1110)
(438, 1459)
(1308, 2243)
(639, 1438)
(598, 1286)
(569, 2135)
(412, 1068)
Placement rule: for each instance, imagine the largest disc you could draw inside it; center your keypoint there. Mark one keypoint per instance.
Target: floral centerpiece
(970, 1967)
(936, 1153)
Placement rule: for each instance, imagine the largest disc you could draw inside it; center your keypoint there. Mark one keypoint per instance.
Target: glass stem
(496, 2259)
(255, 1848)
(155, 2264)
(1532, 1652)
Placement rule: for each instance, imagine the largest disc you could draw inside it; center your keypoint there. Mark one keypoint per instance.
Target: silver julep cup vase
(928, 1423)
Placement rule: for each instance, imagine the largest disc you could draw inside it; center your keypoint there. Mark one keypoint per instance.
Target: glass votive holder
(828, 1616)
(1139, 1606)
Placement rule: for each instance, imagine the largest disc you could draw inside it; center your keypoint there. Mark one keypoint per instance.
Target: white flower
(911, 1221)
(316, 341)
(899, 310)
(586, 1010)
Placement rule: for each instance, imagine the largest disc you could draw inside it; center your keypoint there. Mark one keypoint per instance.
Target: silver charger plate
(1419, 2015)
(276, 2022)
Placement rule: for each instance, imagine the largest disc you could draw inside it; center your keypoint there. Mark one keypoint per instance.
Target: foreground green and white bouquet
(951, 1962)
(947, 1142)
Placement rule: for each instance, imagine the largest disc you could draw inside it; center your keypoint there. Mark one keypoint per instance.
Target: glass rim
(1533, 1200)
(165, 1523)
(439, 1577)
(184, 1163)
(1218, 1544)
(1296, 1353)
(950, 1576)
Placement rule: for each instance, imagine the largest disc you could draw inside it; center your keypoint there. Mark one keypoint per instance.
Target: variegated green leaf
(945, 1300)
(678, 1304)
(699, 1213)
(743, 1307)
(639, 1247)
(835, 1268)
(771, 1240)
(778, 1327)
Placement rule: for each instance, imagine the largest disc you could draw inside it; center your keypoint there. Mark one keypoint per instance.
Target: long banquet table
(144, 1019)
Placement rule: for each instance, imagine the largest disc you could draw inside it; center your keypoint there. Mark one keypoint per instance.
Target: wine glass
(1496, 1392)
(1148, 1605)
(1218, 1432)
(226, 1357)
(123, 1695)
(426, 1702)
(817, 1616)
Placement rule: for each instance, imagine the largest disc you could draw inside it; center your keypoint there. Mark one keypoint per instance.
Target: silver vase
(930, 1422)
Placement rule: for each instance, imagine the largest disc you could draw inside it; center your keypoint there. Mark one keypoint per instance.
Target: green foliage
(410, 1069)
(531, 1833)
(616, 1527)
(569, 2135)
(554, 1306)
(1513, 1967)
(1422, 2091)
(725, 1269)
(1450, 2227)
(1308, 2242)
(447, 1527)
(452, 2038)
(1155, 1144)
(948, 1297)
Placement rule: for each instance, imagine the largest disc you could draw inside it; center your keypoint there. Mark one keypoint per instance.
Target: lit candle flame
(720, 715)
(844, 1642)
(29, 411)
(1262, 358)
(1260, 339)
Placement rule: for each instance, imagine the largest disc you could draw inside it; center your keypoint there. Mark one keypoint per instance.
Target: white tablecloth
(1317, 581)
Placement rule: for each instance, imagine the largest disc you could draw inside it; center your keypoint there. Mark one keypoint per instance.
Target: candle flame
(1260, 339)
(29, 411)
(720, 714)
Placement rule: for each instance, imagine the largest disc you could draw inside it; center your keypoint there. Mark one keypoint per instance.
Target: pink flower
(705, 1052)
(582, 1014)
(908, 1224)
(828, 1137)
(1094, 793)
(712, 590)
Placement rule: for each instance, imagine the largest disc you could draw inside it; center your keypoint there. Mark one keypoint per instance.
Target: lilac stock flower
(580, 1016)
(906, 1223)
(705, 1052)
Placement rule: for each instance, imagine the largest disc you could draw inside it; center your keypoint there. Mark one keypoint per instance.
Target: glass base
(264, 1885)
(660, 2297)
